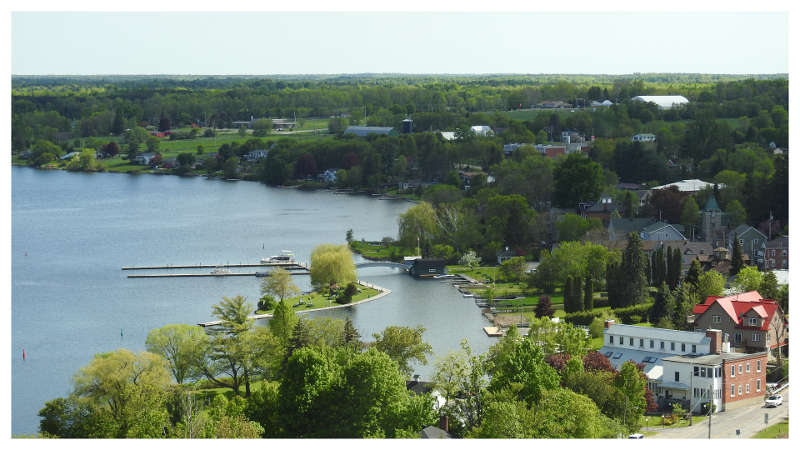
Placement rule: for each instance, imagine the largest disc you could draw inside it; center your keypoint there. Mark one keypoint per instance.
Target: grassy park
(316, 300)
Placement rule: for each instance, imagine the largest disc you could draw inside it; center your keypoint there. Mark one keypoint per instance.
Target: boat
(220, 271)
(286, 256)
(469, 295)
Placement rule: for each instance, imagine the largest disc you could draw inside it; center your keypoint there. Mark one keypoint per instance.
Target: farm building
(663, 101)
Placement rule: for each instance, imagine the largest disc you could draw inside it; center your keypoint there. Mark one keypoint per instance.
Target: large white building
(663, 101)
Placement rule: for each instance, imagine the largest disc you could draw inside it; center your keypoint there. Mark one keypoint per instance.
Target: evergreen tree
(301, 337)
(677, 259)
(544, 308)
(664, 306)
(117, 125)
(568, 304)
(577, 294)
(769, 286)
(693, 274)
(351, 334)
(588, 294)
(629, 205)
(282, 322)
(658, 267)
(685, 299)
(631, 276)
(612, 284)
(737, 261)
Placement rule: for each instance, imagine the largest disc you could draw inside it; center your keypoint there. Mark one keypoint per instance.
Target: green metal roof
(712, 205)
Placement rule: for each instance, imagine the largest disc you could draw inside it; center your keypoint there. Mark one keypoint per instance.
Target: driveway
(748, 419)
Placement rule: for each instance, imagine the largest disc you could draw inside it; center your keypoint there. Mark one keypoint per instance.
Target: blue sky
(292, 43)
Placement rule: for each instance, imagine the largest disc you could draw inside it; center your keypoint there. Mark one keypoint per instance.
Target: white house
(644, 137)
(662, 101)
(255, 155)
(329, 176)
(144, 158)
(693, 185)
(481, 130)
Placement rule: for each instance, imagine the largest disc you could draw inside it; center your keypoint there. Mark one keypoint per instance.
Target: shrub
(628, 314)
(582, 317)
(266, 303)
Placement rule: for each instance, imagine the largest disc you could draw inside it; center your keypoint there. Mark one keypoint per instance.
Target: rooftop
(693, 185)
(664, 334)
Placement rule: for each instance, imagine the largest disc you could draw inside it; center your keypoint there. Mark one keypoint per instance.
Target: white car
(773, 401)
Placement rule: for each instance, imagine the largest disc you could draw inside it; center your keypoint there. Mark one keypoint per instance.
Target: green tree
(690, 213)
(563, 414)
(736, 214)
(709, 283)
(417, 226)
(572, 227)
(631, 275)
(403, 345)
(769, 286)
(262, 127)
(230, 168)
(282, 322)
(505, 419)
(588, 294)
(279, 284)
(457, 373)
(470, 259)
(632, 384)
(513, 269)
(693, 274)
(332, 264)
(544, 308)
(182, 346)
(526, 366)
(153, 144)
(242, 131)
(737, 261)
(664, 305)
(685, 299)
(748, 279)
(577, 179)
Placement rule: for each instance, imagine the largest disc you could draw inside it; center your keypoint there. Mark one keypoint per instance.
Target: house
(604, 103)
(481, 130)
(753, 323)
(751, 240)
(662, 231)
(571, 137)
(508, 149)
(448, 135)
(170, 163)
(554, 104)
(643, 137)
(70, 155)
(408, 184)
(602, 209)
(693, 185)
(258, 154)
(505, 255)
(364, 131)
(144, 158)
(689, 367)
(328, 176)
(776, 254)
(662, 101)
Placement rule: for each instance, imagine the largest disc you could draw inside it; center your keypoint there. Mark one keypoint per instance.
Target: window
(733, 390)
(672, 346)
(758, 366)
(753, 321)
(610, 339)
(683, 347)
(715, 319)
(740, 369)
(733, 371)
(617, 355)
(631, 342)
(694, 348)
(747, 388)
(756, 337)
(718, 372)
(651, 343)
(758, 385)
(739, 390)
(696, 371)
(677, 376)
(641, 342)
(738, 338)
(784, 252)
(662, 345)
(709, 372)
(608, 354)
(747, 367)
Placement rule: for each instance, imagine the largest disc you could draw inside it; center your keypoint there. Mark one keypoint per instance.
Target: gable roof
(629, 225)
(781, 242)
(653, 227)
(712, 205)
(664, 334)
(738, 305)
(744, 228)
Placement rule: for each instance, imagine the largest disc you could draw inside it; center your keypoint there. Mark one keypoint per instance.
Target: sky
(260, 43)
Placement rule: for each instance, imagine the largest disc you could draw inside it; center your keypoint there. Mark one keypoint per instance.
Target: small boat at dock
(286, 256)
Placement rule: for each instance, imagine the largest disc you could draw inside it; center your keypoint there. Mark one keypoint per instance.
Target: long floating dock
(234, 274)
(290, 266)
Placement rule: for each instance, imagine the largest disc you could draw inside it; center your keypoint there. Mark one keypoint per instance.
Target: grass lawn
(777, 431)
(380, 251)
(317, 300)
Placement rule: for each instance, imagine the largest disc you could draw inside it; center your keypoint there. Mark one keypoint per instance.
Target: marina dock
(286, 265)
(233, 274)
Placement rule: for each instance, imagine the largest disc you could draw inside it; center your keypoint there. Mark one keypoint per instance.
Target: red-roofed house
(752, 323)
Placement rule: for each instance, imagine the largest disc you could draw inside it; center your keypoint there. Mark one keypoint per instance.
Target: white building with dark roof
(662, 101)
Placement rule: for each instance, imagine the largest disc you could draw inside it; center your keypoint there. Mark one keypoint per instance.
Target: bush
(351, 290)
(266, 303)
(583, 317)
(627, 315)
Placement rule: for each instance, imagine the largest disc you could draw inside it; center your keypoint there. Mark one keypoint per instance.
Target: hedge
(625, 315)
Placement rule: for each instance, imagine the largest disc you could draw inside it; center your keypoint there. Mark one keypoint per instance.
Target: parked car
(773, 401)
(636, 436)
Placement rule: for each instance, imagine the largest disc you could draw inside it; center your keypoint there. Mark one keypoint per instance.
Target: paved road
(749, 419)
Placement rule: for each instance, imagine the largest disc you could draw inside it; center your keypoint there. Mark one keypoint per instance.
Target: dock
(287, 265)
(233, 274)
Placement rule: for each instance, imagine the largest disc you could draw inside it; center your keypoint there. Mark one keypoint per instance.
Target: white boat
(286, 256)
(469, 295)
(220, 271)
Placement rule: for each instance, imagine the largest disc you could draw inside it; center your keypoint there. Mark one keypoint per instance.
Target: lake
(71, 233)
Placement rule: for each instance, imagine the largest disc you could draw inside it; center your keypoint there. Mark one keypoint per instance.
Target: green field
(381, 252)
(777, 431)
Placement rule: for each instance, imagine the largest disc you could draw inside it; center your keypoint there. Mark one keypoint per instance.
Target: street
(749, 419)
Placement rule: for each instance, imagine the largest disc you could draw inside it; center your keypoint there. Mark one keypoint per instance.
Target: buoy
(23, 354)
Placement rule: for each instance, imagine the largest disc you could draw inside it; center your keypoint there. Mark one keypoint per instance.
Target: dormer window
(753, 321)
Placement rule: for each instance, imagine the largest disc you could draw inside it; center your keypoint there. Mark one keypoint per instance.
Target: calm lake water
(71, 234)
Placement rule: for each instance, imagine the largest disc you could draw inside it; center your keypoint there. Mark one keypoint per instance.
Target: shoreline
(383, 292)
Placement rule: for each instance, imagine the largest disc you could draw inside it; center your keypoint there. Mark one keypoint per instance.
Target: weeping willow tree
(332, 264)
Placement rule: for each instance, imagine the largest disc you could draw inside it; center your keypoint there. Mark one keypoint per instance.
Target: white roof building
(663, 101)
(481, 130)
(448, 135)
(694, 185)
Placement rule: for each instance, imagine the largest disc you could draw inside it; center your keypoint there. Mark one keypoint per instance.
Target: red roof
(739, 304)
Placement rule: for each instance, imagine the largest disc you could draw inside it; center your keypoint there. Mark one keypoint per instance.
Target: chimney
(716, 340)
(607, 324)
(443, 423)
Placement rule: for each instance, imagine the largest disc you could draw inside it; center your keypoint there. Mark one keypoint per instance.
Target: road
(749, 419)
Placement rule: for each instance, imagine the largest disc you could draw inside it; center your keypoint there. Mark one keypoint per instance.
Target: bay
(72, 232)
